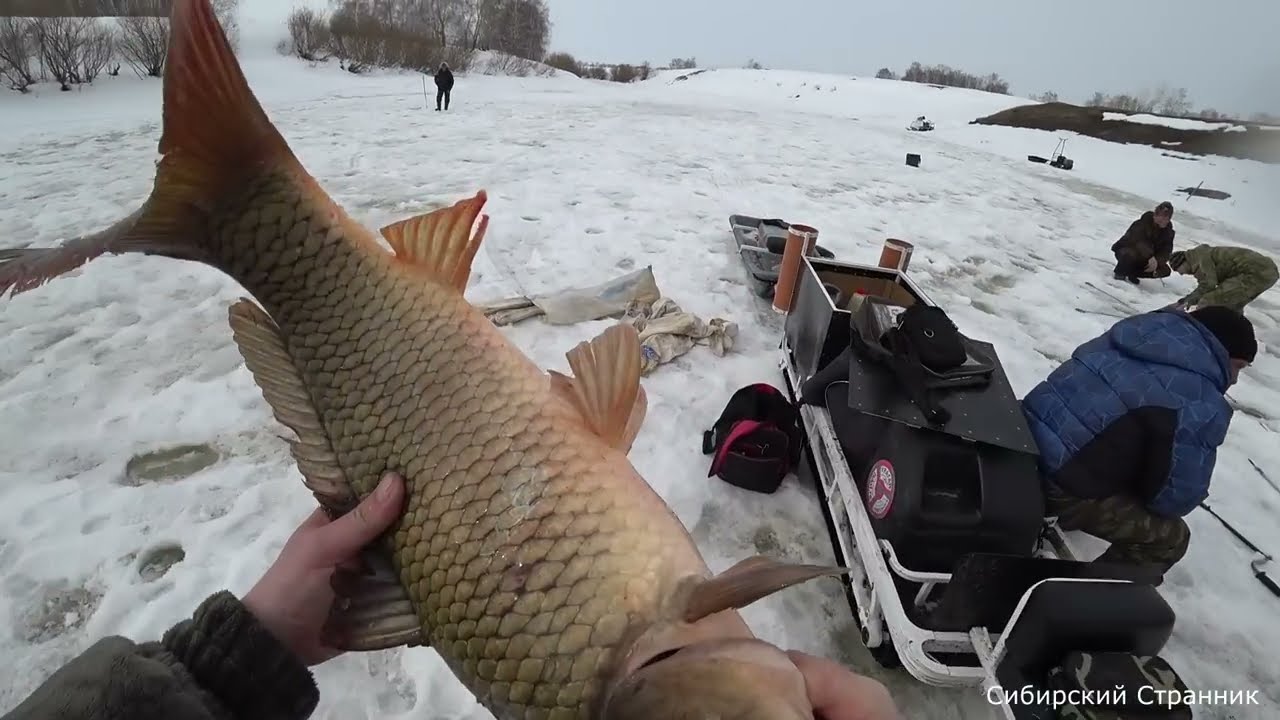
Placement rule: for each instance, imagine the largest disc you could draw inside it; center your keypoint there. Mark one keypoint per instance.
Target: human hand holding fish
(528, 551)
(294, 597)
(838, 693)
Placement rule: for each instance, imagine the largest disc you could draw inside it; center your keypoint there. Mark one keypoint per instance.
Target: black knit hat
(1232, 329)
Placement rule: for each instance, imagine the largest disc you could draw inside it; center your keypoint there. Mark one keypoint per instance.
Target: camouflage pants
(1137, 536)
(1237, 291)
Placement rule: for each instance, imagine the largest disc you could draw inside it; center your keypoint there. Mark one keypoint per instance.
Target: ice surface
(1172, 122)
(132, 355)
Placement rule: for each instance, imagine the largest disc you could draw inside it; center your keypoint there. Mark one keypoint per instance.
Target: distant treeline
(85, 8)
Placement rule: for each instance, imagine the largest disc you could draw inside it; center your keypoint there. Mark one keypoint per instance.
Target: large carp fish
(531, 555)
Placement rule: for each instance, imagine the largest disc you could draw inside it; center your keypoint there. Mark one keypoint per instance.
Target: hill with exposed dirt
(1233, 139)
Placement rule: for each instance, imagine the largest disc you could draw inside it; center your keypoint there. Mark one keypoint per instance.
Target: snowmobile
(920, 125)
(957, 575)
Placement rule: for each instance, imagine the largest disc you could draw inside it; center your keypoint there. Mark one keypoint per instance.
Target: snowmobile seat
(1062, 616)
(985, 588)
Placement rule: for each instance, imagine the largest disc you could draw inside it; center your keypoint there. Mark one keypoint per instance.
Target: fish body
(531, 555)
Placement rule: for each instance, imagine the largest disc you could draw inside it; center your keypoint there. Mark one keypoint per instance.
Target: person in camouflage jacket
(1229, 276)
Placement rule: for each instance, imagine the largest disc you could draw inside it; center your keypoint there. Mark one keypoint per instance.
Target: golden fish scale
(527, 549)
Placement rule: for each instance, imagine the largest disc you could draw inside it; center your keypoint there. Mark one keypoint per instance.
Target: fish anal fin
(441, 242)
(263, 349)
(371, 609)
(748, 581)
(605, 387)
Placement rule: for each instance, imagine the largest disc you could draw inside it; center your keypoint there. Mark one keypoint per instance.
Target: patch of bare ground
(1256, 142)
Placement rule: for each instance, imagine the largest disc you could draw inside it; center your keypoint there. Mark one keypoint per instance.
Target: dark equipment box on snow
(936, 493)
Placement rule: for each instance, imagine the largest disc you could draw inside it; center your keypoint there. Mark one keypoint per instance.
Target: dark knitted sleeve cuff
(232, 656)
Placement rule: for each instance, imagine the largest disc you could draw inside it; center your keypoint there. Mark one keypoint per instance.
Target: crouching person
(1229, 276)
(1128, 428)
(1145, 249)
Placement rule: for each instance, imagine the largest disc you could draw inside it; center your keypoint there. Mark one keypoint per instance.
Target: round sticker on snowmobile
(880, 486)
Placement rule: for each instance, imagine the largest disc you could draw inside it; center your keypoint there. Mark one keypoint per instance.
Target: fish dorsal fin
(440, 242)
(263, 348)
(748, 581)
(605, 387)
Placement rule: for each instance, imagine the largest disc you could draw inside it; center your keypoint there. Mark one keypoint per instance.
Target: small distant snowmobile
(920, 125)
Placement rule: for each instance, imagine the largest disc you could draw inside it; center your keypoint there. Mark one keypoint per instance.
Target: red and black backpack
(757, 439)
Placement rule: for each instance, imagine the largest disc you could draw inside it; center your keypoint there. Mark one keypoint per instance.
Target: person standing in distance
(444, 85)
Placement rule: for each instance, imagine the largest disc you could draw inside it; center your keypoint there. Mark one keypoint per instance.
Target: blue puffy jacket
(1140, 410)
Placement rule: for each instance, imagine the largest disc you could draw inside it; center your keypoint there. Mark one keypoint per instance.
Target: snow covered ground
(587, 180)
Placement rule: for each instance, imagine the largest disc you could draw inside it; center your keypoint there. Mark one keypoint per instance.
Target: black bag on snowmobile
(923, 348)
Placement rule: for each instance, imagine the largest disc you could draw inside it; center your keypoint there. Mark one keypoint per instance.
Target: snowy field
(587, 180)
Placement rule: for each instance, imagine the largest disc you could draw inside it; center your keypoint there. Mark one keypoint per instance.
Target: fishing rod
(1256, 564)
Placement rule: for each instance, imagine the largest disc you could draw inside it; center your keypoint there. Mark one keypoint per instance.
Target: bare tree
(885, 73)
(564, 61)
(98, 50)
(228, 14)
(624, 73)
(952, 77)
(1048, 96)
(688, 63)
(1171, 101)
(17, 47)
(309, 32)
(517, 27)
(144, 43)
(62, 43)
(442, 17)
(1098, 100)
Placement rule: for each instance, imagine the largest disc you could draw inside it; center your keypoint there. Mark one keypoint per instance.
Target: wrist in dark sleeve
(233, 657)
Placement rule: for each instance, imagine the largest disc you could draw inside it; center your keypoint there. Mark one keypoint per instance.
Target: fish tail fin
(215, 137)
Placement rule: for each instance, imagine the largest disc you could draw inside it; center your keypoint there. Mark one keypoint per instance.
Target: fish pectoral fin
(371, 609)
(605, 387)
(263, 349)
(441, 242)
(748, 581)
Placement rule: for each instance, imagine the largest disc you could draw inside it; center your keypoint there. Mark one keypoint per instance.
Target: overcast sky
(1225, 52)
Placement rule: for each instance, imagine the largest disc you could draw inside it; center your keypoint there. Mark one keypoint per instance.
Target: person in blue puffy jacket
(1128, 428)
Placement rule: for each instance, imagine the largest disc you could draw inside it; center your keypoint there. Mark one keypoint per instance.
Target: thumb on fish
(345, 536)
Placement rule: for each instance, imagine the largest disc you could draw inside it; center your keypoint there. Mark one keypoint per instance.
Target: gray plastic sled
(760, 242)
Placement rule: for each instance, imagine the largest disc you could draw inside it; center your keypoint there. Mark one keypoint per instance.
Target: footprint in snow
(157, 561)
(55, 611)
(995, 284)
(594, 231)
(530, 218)
(171, 464)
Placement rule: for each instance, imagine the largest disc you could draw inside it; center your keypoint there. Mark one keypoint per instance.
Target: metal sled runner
(956, 574)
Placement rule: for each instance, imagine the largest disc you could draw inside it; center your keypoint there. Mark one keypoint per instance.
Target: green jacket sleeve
(218, 665)
(1207, 277)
